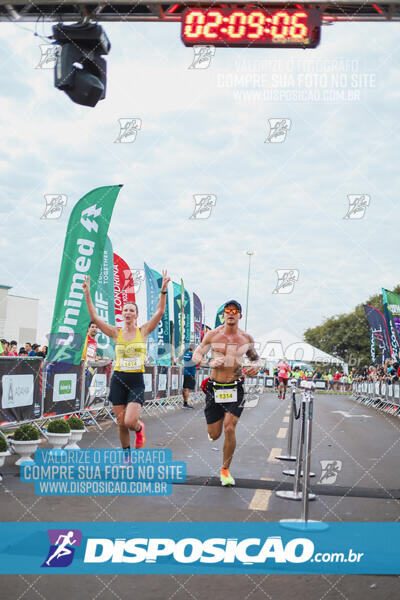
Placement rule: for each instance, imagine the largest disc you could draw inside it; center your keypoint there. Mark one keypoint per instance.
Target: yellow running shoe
(226, 478)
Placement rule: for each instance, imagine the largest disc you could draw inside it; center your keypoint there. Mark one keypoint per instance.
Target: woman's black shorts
(126, 387)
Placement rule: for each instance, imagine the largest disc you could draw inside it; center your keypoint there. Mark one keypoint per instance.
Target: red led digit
(233, 25)
(194, 17)
(280, 30)
(298, 30)
(256, 20)
(218, 20)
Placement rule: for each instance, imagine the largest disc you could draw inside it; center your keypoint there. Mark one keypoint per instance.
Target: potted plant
(25, 441)
(58, 433)
(77, 430)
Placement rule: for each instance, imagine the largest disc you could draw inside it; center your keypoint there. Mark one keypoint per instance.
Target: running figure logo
(358, 204)
(203, 205)
(128, 129)
(330, 470)
(49, 54)
(62, 547)
(278, 129)
(54, 206)
(286, 281)
(138, 278)
(202, 57)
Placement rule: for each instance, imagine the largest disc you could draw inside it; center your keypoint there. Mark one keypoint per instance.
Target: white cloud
(286, 201)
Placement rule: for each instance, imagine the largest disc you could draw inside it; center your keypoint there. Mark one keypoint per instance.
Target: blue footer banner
(192, 548)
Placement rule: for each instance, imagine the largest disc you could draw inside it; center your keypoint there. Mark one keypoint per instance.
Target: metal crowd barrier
(381, 395)
(36, 391)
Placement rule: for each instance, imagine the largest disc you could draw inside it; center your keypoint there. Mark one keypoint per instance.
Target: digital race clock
(265, 27)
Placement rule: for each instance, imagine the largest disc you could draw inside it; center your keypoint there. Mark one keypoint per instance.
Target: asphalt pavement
(355, 458)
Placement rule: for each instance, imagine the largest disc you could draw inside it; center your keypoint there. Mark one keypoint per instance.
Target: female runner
(127, 384)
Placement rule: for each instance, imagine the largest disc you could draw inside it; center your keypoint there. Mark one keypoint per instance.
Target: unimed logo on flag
(64, 386)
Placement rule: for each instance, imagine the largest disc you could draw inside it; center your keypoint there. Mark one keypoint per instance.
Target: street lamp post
(250, 254)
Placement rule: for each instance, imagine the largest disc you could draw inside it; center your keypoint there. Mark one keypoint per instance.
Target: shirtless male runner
(224, 393)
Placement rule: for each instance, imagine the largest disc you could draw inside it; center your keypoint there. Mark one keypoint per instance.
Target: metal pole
(288, 455)
(250, 254)
(307, 458)
(295, 494)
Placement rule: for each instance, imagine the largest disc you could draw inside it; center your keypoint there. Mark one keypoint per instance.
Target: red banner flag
(123, 287)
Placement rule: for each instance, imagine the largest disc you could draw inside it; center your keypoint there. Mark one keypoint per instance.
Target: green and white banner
(187, 323)
(391, 308)
(104, 301)
(219, 319)
(164, 342)
(83, 255)
(179, 292)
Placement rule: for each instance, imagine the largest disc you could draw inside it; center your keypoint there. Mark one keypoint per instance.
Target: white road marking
(274, 452)
(282, 432)
(348, 415)
(261, 498)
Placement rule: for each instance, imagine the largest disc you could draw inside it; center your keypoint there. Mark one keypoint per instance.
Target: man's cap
(34, 346)
(235, 303)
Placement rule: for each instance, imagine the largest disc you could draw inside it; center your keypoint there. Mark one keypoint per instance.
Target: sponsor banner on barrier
(63, 390)
(174, 385)
(149, 377)
(198, 548)
(320, 385)
(97, 382)
(20, 389)
(162, 382)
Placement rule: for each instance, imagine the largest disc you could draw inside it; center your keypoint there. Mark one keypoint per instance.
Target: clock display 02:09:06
(255, 27)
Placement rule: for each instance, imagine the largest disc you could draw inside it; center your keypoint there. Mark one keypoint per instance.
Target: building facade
(18, 317)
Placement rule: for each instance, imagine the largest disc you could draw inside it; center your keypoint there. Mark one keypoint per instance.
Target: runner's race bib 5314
(227, 395)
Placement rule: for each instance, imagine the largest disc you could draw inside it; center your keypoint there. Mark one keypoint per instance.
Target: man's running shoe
(140, 437)
(226, 478)
(186, 405)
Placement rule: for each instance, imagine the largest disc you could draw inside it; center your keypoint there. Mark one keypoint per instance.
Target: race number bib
(227, 395)
(90, 351)
(131, 364)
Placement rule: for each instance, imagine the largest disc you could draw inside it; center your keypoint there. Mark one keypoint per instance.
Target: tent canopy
(279, 343)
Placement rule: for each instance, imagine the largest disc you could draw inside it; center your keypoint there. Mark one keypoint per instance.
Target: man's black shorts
(126, 387)
(189, 382)
(215, 412)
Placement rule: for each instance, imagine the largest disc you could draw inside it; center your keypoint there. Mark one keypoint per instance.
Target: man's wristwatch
(163, 292)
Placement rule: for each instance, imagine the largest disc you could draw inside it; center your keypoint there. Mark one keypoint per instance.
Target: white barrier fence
(380, 395)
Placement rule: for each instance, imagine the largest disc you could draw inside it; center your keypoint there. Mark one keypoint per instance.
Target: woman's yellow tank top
(130, 355)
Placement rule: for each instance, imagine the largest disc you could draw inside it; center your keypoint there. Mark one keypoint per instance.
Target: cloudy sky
(205, 131)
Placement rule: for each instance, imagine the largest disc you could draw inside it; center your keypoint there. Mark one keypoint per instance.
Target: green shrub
(26, 433)
(3, 444)
(75, 423)
(58, 426)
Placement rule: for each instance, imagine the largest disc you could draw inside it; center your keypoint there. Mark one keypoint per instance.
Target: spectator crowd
(11, 349)
(389, 372)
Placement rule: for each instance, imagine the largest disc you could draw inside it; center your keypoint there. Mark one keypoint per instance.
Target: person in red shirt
(283, 376)
(90, 347)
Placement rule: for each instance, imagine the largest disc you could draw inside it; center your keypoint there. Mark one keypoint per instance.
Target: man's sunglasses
(232, 311)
